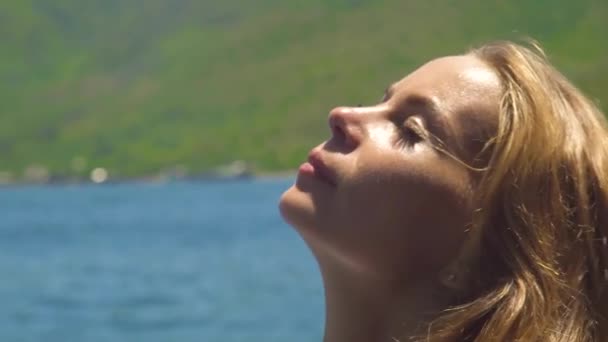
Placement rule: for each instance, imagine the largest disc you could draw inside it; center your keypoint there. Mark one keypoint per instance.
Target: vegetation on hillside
(138, 86)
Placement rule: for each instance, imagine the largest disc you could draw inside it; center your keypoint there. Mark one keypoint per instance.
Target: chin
(297, 208)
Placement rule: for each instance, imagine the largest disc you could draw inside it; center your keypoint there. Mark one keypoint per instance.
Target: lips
(320, 168)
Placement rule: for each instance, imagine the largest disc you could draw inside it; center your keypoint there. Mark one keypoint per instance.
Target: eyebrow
(436, 121)
(425, 102)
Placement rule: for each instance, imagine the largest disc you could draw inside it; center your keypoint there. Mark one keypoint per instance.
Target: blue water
(143, 262)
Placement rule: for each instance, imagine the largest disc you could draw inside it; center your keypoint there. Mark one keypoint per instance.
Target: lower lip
(307, 169)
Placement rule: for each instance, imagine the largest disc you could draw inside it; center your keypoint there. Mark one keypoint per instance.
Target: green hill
(135, 85)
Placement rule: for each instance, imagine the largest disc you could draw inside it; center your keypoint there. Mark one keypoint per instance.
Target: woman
(470, 204)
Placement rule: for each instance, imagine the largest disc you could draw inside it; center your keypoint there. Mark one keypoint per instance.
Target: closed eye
(411, 135)
(412, 132)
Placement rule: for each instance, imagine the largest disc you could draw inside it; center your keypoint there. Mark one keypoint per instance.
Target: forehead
(451, 82)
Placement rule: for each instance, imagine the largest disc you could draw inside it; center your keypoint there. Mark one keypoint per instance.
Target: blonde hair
(542, 269)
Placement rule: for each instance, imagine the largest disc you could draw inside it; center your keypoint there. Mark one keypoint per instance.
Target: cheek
(409, 220)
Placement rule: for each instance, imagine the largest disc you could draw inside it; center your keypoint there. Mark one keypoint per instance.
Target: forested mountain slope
(136, 85)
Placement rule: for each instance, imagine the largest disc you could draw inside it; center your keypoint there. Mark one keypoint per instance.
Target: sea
(168, 262)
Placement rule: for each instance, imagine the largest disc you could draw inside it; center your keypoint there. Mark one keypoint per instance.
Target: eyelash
(411, 133)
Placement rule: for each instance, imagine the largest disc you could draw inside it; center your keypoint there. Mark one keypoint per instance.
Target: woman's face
(378, 196)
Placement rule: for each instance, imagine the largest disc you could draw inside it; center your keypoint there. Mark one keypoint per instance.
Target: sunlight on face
(378, 196)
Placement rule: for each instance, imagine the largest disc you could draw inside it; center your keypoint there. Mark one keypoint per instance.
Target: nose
(346, 125)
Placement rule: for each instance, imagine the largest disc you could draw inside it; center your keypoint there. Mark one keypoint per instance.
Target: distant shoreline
(156, 179)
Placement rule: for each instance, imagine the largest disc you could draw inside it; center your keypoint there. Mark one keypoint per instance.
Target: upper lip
(321, 169)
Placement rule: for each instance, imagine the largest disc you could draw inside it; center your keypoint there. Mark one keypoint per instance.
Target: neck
(363, 309)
